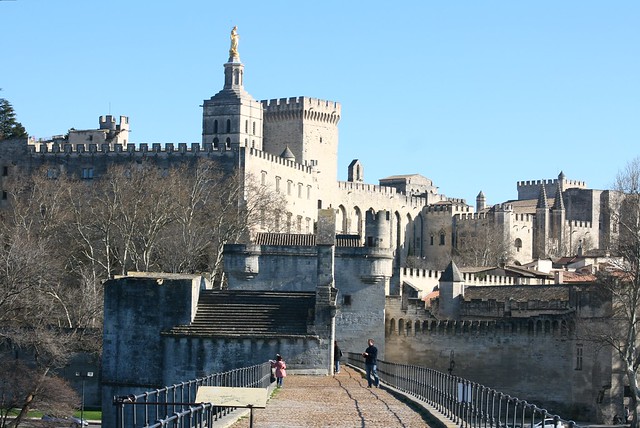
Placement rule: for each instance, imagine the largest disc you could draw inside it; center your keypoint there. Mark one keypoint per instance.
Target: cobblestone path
(333, 401)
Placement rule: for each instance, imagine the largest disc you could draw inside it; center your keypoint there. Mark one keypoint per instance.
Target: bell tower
(232, 118)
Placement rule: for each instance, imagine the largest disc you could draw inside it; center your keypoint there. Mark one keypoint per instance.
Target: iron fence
(466, 403)
(175, 407)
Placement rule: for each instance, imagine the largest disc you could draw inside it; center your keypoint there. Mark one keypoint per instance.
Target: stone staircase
(250, 313)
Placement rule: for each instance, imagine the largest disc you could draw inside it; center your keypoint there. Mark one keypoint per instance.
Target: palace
(361, 260)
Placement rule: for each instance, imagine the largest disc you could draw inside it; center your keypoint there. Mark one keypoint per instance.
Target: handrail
(175, 405)
(465, 403)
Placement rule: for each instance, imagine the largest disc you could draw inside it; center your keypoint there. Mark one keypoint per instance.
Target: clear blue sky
(475, 95)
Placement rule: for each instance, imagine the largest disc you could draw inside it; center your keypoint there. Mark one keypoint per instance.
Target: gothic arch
(418, 230)
(342, 220)
(357, 217)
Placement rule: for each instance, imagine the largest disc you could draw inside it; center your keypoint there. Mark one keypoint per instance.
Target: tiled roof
(303, 240)
(519, 293)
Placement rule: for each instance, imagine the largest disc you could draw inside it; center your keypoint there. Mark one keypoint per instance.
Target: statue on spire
(233, 51)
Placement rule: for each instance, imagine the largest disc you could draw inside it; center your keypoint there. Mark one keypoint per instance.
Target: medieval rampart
(427, 279)
(302, 108)
(530, 189)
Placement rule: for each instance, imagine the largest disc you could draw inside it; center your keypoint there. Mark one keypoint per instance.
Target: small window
(308, 225)
(289, 187)
(277, 184)
(228, 143)
(5, 171)
(346, 300)
(518, 244)
(431, 240)
(4, 195)
(299, 224)
(254, 128)
(87, 173)
(216, 143)
(308, 192)
(215, 126)
(300, 190)
(228, 126)
(442, 241)
(579, 356)
(263, 178)
(246, 126)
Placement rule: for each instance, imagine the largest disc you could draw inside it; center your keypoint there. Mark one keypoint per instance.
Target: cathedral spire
(542, 197)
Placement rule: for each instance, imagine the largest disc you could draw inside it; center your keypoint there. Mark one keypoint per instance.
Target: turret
(355, 172)
(451, 291)
(377, 229)
(481, 201)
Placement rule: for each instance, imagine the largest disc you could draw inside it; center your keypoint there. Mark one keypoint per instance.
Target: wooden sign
(232, 397)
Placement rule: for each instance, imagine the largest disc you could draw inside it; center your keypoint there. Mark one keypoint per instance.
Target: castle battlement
(279, 160)
(130, 149)
(450, 209)
(472, 216)
(418, 276)
(578, 224)
(553, 182)
(369, 188)
(530, 189)
(308, 108)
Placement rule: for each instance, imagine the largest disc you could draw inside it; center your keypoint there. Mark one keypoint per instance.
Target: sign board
(227, 396)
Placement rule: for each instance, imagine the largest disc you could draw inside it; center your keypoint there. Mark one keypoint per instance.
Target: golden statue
(233, 52)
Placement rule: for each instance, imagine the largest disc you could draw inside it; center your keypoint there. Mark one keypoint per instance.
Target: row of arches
(530, 327)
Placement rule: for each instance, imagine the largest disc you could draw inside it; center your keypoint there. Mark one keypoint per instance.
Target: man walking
(370, 363)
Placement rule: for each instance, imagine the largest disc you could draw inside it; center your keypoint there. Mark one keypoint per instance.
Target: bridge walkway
(341, 401)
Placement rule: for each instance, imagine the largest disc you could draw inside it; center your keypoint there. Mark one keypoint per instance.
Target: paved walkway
(333, 401)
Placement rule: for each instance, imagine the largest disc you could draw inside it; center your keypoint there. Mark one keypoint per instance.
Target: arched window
(431, 239)
(215, 142)
(228, 143)
(254, 128)
(518, 244)
(228, 126)
(442, 238)
(215, 126)
(246, 126)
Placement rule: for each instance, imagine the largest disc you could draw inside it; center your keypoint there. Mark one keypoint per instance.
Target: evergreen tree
(9, 127)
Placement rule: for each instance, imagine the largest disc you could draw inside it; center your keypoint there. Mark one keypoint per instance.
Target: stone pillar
(326, 292)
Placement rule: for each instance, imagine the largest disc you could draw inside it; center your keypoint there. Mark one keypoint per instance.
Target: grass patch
(90, 415)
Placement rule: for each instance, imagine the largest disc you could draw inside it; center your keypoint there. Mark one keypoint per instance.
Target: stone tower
(232, 117)
(309, 127)
(481, 201)
(541, 230)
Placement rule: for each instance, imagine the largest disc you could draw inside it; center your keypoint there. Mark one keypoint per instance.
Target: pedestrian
(370, 363)
(281, 369)
(337, 354)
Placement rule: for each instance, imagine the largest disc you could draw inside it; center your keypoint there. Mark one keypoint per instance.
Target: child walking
(281, 369)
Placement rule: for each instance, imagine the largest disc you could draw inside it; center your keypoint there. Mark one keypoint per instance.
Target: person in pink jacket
(281, 369)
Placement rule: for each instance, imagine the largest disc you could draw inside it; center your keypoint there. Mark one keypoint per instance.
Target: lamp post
(83, 376)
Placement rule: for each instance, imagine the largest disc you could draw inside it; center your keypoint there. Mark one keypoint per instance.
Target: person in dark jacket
(370, 363)
(337, 354)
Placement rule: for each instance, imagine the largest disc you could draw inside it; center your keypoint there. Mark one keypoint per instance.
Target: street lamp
(83, 376)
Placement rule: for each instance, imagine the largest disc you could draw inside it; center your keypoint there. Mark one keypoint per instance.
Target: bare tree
(481, 244)
(52, 395)
(621, 332)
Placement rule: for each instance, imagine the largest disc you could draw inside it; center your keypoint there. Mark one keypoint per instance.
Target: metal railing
(175, 406)
(466, 403)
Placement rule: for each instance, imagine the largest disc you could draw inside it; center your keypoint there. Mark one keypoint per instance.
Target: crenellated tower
(309, 127)
(232, 117)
